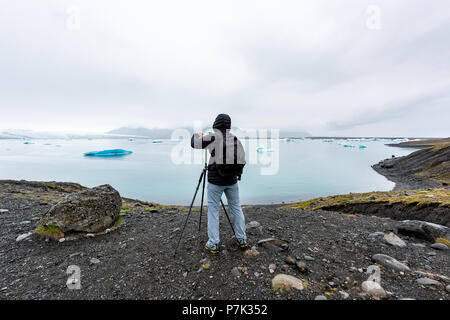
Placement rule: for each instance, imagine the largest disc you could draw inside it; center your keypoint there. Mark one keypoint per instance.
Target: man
(221, 180)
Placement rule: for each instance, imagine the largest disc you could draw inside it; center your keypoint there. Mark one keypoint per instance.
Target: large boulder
(422, 229)
(89, 211)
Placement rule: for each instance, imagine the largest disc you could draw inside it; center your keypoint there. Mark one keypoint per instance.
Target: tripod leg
(189, 213)
(226, 214)
(203, 195)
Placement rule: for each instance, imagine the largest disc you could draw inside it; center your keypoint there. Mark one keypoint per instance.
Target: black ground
(136, 261)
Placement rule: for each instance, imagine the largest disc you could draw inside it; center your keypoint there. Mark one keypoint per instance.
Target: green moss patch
(423, 198)
(119, 221)
(50, 231)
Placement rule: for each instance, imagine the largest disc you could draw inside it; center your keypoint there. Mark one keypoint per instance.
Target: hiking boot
(213, 249)
(242, 243)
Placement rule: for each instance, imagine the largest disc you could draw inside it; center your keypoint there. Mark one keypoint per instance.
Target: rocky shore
(428, 167)
(326, 254)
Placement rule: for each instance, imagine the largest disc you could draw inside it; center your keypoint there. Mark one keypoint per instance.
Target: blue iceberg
(108, 153)
(362, 147)
(27, 142)
(157, 141)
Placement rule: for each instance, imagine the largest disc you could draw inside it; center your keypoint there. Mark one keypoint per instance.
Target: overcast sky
(326, 67)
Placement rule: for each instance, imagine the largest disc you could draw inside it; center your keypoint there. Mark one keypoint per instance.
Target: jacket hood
(223, 121)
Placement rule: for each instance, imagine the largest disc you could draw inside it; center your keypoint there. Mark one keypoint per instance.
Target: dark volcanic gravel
(136, 261)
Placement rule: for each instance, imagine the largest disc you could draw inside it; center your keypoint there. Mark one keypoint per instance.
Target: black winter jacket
(214, 177)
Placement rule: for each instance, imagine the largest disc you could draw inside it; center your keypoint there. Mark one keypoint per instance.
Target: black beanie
(223, 121)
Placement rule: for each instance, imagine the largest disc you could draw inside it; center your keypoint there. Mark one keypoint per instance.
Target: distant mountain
(166, 133)
(29, 134)
(143, 132)
(125, 132)
(293, 134)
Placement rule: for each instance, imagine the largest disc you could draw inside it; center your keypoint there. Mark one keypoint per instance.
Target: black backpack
(234, 153)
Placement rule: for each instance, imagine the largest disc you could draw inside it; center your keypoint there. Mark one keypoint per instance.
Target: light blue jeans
(237, 216)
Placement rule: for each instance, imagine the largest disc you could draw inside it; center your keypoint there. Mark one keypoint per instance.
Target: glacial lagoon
(306, 168)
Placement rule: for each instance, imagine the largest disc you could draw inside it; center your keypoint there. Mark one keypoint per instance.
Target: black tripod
(202, 177)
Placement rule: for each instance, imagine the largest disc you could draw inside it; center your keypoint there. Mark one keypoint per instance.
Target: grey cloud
(310, 65)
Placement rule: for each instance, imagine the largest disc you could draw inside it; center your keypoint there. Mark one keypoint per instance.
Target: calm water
(307, 168)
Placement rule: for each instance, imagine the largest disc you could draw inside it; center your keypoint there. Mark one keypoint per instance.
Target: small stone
(320, 297)
(272, 267)
(251, 253)
(394, 240)
(301, 266)
(439, 246)
(390, 262)
(205, 263)
(344, 294)
(308, 258)
(235, 272)
(25, 222)
(253, 224)
(332, 284)
(375, 234)
(447, 288)
(286, 282)
(289, 260)
(428, 282)
(353, 269)
(431, 253)
(94, 261)
(90, 235)
(373, 288)
(185, 274)
(23, 236)
(62, 240)
(3, 210)
(273, 244)
(76, 254)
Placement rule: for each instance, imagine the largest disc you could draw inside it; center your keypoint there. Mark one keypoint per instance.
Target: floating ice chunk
(362, 147)
(157, 141)
(131, 139)
(348, 146)
(108, 153)
(262, 149)
(27, 142)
